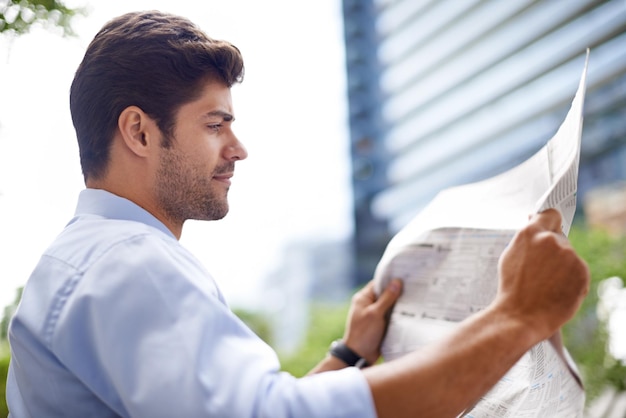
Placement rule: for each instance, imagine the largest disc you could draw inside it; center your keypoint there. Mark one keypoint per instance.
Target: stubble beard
(184, 192)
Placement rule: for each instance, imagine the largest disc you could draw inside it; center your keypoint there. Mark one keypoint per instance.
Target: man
(118, 319)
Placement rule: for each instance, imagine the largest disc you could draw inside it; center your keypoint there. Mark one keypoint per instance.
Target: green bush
(586, 336)
(4, 370)
(256, 322)
(327, 324)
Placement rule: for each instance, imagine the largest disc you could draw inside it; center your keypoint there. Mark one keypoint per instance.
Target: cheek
(203, 154)
(203, 161)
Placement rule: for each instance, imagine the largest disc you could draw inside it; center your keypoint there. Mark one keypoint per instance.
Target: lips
(223, 177)
(224, 172)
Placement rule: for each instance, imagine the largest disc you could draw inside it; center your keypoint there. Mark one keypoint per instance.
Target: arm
(542, 284)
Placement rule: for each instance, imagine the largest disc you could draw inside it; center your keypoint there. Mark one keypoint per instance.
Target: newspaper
(447, 258)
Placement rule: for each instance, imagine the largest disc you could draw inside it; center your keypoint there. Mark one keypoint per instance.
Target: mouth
(223, 177)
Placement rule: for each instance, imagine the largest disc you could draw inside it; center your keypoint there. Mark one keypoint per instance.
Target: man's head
(152, 60)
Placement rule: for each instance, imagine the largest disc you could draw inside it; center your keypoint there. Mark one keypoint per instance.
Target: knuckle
(356, 297)
(548, 240)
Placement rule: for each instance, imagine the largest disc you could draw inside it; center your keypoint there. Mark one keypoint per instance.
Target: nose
(235, 150)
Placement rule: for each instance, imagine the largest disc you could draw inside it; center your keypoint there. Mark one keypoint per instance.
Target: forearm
(443, 379)
(327, 364)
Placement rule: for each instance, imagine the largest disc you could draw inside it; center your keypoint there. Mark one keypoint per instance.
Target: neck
(141, 198)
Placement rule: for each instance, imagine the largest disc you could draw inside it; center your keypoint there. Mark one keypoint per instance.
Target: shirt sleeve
(146, 331)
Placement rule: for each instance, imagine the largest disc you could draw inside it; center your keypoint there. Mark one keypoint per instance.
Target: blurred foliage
(327, 323)
(4, 370)
(18, 16)
(5, 354)
(8, 313)
(257, 322)
(586, 336)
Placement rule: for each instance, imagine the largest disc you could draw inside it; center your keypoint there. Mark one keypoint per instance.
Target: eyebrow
(226, 117)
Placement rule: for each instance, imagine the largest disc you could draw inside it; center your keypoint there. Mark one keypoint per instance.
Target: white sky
(291, 115)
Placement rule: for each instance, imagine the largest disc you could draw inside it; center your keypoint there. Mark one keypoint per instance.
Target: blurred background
(355, 114)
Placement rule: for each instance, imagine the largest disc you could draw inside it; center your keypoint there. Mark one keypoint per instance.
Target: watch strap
(340, 350)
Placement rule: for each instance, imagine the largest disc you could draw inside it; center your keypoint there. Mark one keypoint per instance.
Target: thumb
(390, 295)
(549, 219)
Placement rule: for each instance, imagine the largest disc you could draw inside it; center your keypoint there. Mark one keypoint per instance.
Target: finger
(549, 219)
(390, 295)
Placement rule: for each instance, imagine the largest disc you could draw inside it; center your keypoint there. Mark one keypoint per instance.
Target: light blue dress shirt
(118, 319)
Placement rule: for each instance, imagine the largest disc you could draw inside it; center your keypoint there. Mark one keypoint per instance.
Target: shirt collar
(108, 205)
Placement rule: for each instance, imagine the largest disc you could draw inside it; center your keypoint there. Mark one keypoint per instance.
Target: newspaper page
(447, 258)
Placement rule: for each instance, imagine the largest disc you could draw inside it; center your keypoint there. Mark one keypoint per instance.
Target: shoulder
(111, 250)
(87, 239)
(96, 264)
(93, 241)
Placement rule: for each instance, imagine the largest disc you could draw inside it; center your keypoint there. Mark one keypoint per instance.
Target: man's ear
(139, 131)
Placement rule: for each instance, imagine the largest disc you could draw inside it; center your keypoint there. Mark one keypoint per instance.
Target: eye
(215, 127)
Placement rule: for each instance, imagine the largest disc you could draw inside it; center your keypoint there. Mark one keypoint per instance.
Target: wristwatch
(340, 350)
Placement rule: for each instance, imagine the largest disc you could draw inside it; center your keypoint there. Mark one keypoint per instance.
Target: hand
(367, 319)
(542, 279)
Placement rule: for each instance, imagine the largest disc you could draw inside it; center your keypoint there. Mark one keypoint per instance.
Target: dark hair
(153, 60)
